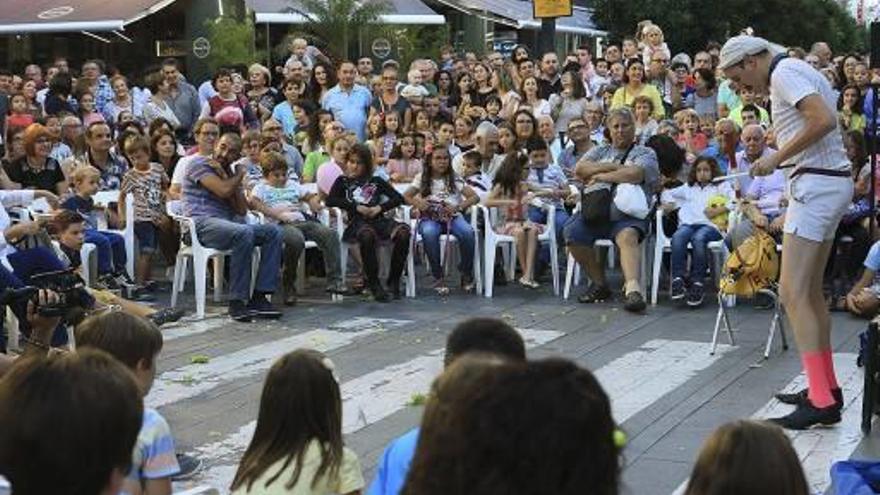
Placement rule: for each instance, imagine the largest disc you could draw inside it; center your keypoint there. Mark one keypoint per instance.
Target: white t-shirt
(792, 81)
(440, 190)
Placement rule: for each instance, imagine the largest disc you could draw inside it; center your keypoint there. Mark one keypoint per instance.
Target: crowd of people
(579, 147)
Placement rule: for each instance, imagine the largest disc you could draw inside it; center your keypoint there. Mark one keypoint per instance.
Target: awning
(52, 16)
(287, 12)
(518, 14)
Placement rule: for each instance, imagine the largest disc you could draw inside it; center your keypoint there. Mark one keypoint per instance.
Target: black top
(348, 193)
(47, 178)
(547, 88)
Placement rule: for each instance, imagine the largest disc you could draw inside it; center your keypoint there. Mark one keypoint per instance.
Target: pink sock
(829, 369)
(817, 379)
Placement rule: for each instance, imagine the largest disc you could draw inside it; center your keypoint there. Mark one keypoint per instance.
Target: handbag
(630, 199)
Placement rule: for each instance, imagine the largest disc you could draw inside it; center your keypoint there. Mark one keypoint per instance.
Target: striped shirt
(792, 81)
(198, 201)
(153, 455)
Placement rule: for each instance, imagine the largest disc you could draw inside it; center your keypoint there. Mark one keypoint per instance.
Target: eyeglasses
(576, 127)
(209, 133)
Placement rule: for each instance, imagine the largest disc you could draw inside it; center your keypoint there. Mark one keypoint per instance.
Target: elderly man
(213, 196)
(295, 71)
(622, 161)
(821, 50)
(275, 130)
(182, 98)
(820, 190)
(579, 135)
(486, 137)
(98, 84)
(662, 78)
(348, 101)
(754, 147)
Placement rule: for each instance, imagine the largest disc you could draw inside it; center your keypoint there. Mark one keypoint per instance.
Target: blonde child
(297, 446)
(695, 227)
(652, 40)
(332, 169)
(403, 165)
(510, 193)
(147, 182)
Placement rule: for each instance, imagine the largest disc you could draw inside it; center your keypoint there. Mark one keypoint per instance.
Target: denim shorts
(578, 233)
(146, 234)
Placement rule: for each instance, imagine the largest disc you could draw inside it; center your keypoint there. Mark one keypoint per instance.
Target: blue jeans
(698, 236)
(111, 251)
(463, 232)
(241, 239)
(539, 215)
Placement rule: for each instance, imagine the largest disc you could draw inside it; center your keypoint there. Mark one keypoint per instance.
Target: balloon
(327, 174)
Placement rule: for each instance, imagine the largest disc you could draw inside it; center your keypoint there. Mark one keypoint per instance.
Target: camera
(72, 302)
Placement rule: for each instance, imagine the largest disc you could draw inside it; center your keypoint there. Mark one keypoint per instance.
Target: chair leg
(511, 263)
(489, 280)
(478, 267)
(301, 273)
(554, 260)
(410, 275)
(655, 275)
(179, 277)
(200, 269)
(219, 263)
(569, 276)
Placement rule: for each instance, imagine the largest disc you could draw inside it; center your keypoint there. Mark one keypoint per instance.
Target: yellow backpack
(753, 266)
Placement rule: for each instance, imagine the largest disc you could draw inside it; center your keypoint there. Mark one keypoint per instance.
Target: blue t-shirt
(349, 107)
(284, 114)
(872, 262)
(199, 201)
(394, 464)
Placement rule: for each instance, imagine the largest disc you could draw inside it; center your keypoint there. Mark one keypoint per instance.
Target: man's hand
(765, 165)
(41, 326)
(777, 224)
(760, 221)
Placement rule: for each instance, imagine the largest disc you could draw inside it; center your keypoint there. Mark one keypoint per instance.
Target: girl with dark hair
(484, 419)
(528, 93)
(462, 97)
(754, 457)
(314, 139)
(571, 103)
(323, 78)
(464, 133)
(57, 98)
(702, 212)
(403, 165)
(366, 199)
(443, 81)
(163, 150)
(297, 445)
(849, 109)
(525, 126)
(704, 99)
(506, 137)
(442, 200)
(510, 193)
(483, 85)
(634, 85)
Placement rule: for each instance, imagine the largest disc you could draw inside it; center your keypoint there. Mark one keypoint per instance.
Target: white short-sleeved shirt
(792, 81)
(440, 190)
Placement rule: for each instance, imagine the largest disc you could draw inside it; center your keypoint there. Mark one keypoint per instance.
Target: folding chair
(776, 322)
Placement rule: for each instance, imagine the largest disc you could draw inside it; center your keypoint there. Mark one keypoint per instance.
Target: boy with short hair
(110, 246)
(747, 97)
(136, 342)
(146, 182)
(472, 173)
(864, 298)
(548, 183)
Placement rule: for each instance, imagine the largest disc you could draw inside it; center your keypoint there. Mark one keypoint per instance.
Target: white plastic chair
(199, 490)
(492, 240)
(445, 239)
(663, 244)
(410, 275)
(104, 198)
(200, 255)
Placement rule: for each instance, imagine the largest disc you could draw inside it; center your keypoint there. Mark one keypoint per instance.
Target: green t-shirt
(313, 160)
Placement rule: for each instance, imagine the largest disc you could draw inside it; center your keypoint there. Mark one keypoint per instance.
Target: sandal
(467, 284)
(529, 284)
(596, 293)
(440, 288)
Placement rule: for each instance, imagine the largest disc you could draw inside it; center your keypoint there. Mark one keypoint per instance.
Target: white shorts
(816, 203)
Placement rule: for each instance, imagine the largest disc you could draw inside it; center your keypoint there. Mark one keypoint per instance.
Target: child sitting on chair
(864, 298)
(695, 227)
(111, 246)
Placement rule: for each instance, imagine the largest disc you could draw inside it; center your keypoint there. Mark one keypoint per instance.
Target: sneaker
(189, 467)
(239, 311)
(166, 315)
(807, 416)
(109, 281)
(339, 289)
(634, 302)
(260, 307)
(379, 294)
(800, 397)
(596, 293)
(678, 289)
(695, 295)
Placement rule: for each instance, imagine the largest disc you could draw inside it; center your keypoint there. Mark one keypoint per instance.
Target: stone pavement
(667, 391)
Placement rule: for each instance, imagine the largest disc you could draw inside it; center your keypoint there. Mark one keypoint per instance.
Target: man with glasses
(71, 130)
(486, 139)
(820, 188)
(662, 78)
(579, 136)
(182, 98)
(98, 84)
(294, 159)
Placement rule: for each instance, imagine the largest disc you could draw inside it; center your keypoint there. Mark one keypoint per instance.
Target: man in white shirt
(820, 189)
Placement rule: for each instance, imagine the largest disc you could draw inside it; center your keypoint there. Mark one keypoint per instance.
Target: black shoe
(807, 415)
(339, 290)
(695, 295)
(379, 293)
(140, 294)
(763, 300)
(166, 315)
(394, 288)
(239, 311)
(678, 289)
(189, 466)
(634, 302)
(109, 281)
(800, 397)
(596, 293)
(260, 307)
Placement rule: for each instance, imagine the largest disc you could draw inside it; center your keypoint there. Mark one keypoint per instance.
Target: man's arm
(819, 122)
(223, 188)
(585, 170)
(622, 175)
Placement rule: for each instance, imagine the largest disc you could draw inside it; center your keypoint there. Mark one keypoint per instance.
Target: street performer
(819, 187)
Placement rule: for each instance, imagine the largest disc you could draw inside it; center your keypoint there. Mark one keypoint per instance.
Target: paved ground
(667, 391)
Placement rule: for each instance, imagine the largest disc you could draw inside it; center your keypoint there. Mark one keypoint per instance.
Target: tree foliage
(232, 42)
(689, 24)
(338, 22)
